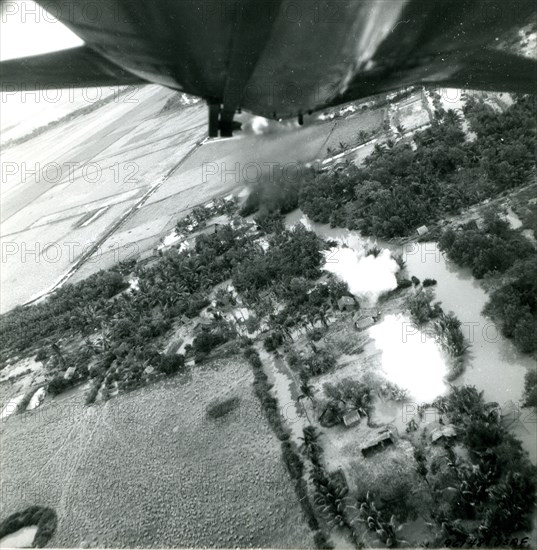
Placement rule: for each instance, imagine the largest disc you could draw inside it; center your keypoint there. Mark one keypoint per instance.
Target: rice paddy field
(151, 469)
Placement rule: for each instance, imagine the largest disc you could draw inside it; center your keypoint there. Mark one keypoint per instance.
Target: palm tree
(310, 446)
(386, 531)
(59, 355)
(452, 117)
(308, 391)
(330, 497)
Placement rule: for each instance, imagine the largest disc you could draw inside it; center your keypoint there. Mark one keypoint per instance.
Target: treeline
(290, 455)
(25, 327)
(118, 330)
(400, 187)
(514, 305)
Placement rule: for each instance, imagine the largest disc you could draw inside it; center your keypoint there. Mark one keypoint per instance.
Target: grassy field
(152, 469)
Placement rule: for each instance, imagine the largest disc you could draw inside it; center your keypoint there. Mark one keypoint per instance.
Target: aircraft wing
(283, 58)
(73, 68)
(488, 70)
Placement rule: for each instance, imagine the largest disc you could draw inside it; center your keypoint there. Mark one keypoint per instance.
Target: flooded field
(493, 364)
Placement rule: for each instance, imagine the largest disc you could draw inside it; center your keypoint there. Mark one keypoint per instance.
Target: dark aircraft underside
(281, 58)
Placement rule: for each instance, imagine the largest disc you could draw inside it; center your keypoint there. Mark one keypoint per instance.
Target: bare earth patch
(150, 469)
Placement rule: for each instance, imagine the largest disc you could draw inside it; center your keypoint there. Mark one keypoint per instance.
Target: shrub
(273, 341)
(321, 541)
(58, 384)
(221, 408)
(316, 334)
(429, 282)
(404, 283)
(94, 390)
(530, 389)
(292, 460)
(318, 363)
(421, 309)
(373, 251)
(42, 355)
(171, 363)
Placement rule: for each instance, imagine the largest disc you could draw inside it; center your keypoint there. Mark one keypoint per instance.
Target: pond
(37, 399)
(23, 538)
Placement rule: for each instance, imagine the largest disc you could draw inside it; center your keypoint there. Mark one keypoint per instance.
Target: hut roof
(69, 373)
(346, 301)
(364, 322)
(442, 432)
(422, 230)
(351, 418)
(383, 438)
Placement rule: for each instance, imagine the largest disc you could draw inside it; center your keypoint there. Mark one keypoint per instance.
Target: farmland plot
(151, 469)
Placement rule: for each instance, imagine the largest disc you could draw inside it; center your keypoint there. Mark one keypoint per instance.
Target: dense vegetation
(530, 389)
(445, 327)
(114, 334)
(44, 518)
(514, 305)
(400, 188)
(496, 249)
(495, 483)
(493, 248)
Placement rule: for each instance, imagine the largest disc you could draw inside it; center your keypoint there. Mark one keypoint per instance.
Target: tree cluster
(496, 484)
(401, 187)
(494, 248)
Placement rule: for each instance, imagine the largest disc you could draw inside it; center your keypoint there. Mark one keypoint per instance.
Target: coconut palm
(330, 497)
(310, 445)
(385, 531)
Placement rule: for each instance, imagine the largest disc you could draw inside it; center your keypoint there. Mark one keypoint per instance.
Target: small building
(422, 230)
(347, 303)
(204, 322)
(208, 229)
(364, 323)
(370, 312)
(442, 433)
(510, 414)
(351, 419)
(383, 440)
(69, 373)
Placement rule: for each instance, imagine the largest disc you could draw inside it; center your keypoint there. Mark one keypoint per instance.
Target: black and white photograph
(268, 274)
